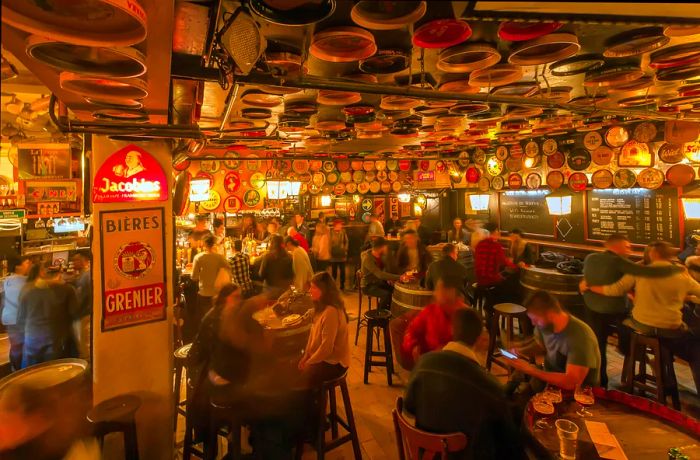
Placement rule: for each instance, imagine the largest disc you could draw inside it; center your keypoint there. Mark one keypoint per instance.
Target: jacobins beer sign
(130, 174)
(133, 273)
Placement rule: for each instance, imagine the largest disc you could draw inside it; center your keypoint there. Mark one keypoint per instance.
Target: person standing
(200, 231)
(412, 255)
(83, 286)
(321, 247)
(424, 233)
(302, 228)
(240, 270)
(303, 272)
(46, 313)
(276, 268)
(293, 233)
(376, 281)
(605, 312)
(205, 271)
(339, 251)
(458, 234)
(375, 229)
(12, 287)
(220, 236)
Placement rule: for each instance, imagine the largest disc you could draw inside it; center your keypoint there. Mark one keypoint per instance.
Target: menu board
(526, 210)
(643, 215)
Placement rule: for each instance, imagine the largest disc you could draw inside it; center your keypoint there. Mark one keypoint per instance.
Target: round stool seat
(118, 409)
(182, 352)
(509, 308)
(377, 314)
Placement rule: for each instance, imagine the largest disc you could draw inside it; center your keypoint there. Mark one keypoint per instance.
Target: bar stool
(180, 359)
(117, 415)
(663, 378)
(328, 398)
(188, 445)
(223, 418)
(509, 312)
(379, 320)
(361, 321)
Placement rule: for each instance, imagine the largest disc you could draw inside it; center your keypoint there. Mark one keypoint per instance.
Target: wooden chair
(415, 444)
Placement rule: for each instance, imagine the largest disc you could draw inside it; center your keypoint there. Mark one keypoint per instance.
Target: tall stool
(379, 320)
(117, 415)
(663, 381)
(180, 359)
(509, 312)
(223, 418)
(328, 398)
(361, 321)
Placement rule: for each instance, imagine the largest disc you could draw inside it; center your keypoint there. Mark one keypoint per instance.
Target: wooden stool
(180, 359)
(117, 415)
(188, 446)
(663, 378)
(361, 321)
(223, 418)
(509, 312)
(328, 398)
(378, 319)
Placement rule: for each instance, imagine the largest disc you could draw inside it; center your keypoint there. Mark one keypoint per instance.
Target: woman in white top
(321, 247)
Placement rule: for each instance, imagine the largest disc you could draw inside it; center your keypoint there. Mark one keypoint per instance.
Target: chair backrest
(415, 444)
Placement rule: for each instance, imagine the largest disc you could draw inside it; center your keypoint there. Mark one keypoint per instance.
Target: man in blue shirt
(12, 286)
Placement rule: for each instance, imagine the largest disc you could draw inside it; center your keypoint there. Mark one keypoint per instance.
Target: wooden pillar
(133, 354)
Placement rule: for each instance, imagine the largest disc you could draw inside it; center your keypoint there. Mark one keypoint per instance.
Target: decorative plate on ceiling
(575, 65)
(293, 13)
(343, 44)
(515, 181)
(545, 49)
(497, 75)
(520, 31)
(467, 58)
(387, 15)
(634, 42)
(386, 61)
(441, 33)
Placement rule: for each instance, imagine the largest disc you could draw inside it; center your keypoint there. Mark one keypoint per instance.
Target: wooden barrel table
(464, 256)
(409, 297)
(288, 340)
(562, 286)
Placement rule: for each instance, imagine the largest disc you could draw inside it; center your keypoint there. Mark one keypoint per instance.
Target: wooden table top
(642, 434)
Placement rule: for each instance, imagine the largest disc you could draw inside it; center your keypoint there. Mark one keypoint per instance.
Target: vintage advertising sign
(44, 161)
(39, 191)
(130, 174)
(133, 272)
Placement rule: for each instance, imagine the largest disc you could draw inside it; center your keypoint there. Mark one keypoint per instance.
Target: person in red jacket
(490, 258)
(432, 328)
(294, 233)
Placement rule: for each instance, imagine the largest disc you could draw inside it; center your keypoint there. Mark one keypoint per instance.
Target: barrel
(409, 297)
(564, 287)
(60, 388)
(464, 256)
(287, 341)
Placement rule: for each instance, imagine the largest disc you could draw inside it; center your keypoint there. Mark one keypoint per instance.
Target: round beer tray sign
(209, 165)
(386, 186)
(380, 165)
(404, 165)
(532, 149)
(602, 178)
(393, 176)
(515, 181)
(366, 217)
(251, 198)
(212, 202)
(368, 165)
(367, 204)
(134, 260)
(579, 159)
(351, 187)
(316, 165)
(497, 183)
(358, 176)
(494, 166)
(318, 179)
(314, 189)
(370, 176)
(617, 136)
(392, 165)
(345, 177)
(484, 184)
(533, 181)
(555, 179)
(231, 161)
(651, 178)
(473, 175)
(602, 156)
(328, 166)
(232, 182)
(339, 189)
(624, 178)
(680, 175)
(556, 160)
(691, 150)
(300, 166)
(343, 165)
(363, 187)
(463, 159)
(578, 182)
(396, 186)
(549, 147)
(514, 163)
(332, 178)
(502, 152)
(382, 175)
(479, 157)
(232, 204)
(257, 180)
(671, 153)
(374, 187)
(592, 140)
(644, 132)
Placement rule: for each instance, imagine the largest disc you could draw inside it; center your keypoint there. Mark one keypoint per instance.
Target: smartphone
(508, 354)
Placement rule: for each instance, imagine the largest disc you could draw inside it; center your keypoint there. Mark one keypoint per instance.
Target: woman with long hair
(276, 269)
(457, 233)
(327, 352)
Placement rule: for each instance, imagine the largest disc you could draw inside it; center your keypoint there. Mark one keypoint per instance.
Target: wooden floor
(372, 403)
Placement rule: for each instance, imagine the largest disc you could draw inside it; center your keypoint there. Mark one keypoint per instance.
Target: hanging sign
(128, 175)
(44, 161)
(133, 273)
(38, 191)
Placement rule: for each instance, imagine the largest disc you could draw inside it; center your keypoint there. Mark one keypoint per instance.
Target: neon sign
(130, 174)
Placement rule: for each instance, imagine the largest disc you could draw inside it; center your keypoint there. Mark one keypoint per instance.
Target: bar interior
(279, 229)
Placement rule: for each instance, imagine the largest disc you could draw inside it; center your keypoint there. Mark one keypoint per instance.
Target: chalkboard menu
(643, 215)
(526, 210)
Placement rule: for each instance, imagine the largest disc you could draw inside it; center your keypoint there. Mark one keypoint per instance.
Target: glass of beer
(544, 409)
(584, 396)
(567, 431)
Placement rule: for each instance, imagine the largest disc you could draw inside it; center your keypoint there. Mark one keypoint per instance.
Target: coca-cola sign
(130, 174)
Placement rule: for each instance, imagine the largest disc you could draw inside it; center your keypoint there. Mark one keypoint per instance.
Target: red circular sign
(556, 160)
(232, 182)
(232, 204)
(134, 260)
(404, 165)
(515, 181)
(578, 182)
(473, 175)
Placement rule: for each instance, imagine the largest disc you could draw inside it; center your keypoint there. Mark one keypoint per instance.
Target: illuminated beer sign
(130, 174)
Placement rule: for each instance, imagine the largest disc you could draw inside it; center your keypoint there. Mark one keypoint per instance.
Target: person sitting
(431, 329)
(376, 280)
(300, 239)
(447, 266)
(276, 269)
(449, 392)
(412, 256)
(658, 304)
(240, 269)
(375, 229)
(424, 233)
(693, 264)
(520, 250)
(571, 350)
(458, 234)
(301, 265)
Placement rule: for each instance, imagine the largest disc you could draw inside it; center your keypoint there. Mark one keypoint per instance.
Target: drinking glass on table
(584, 396)
(567, 432)
(544, 409)
(553, 394)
